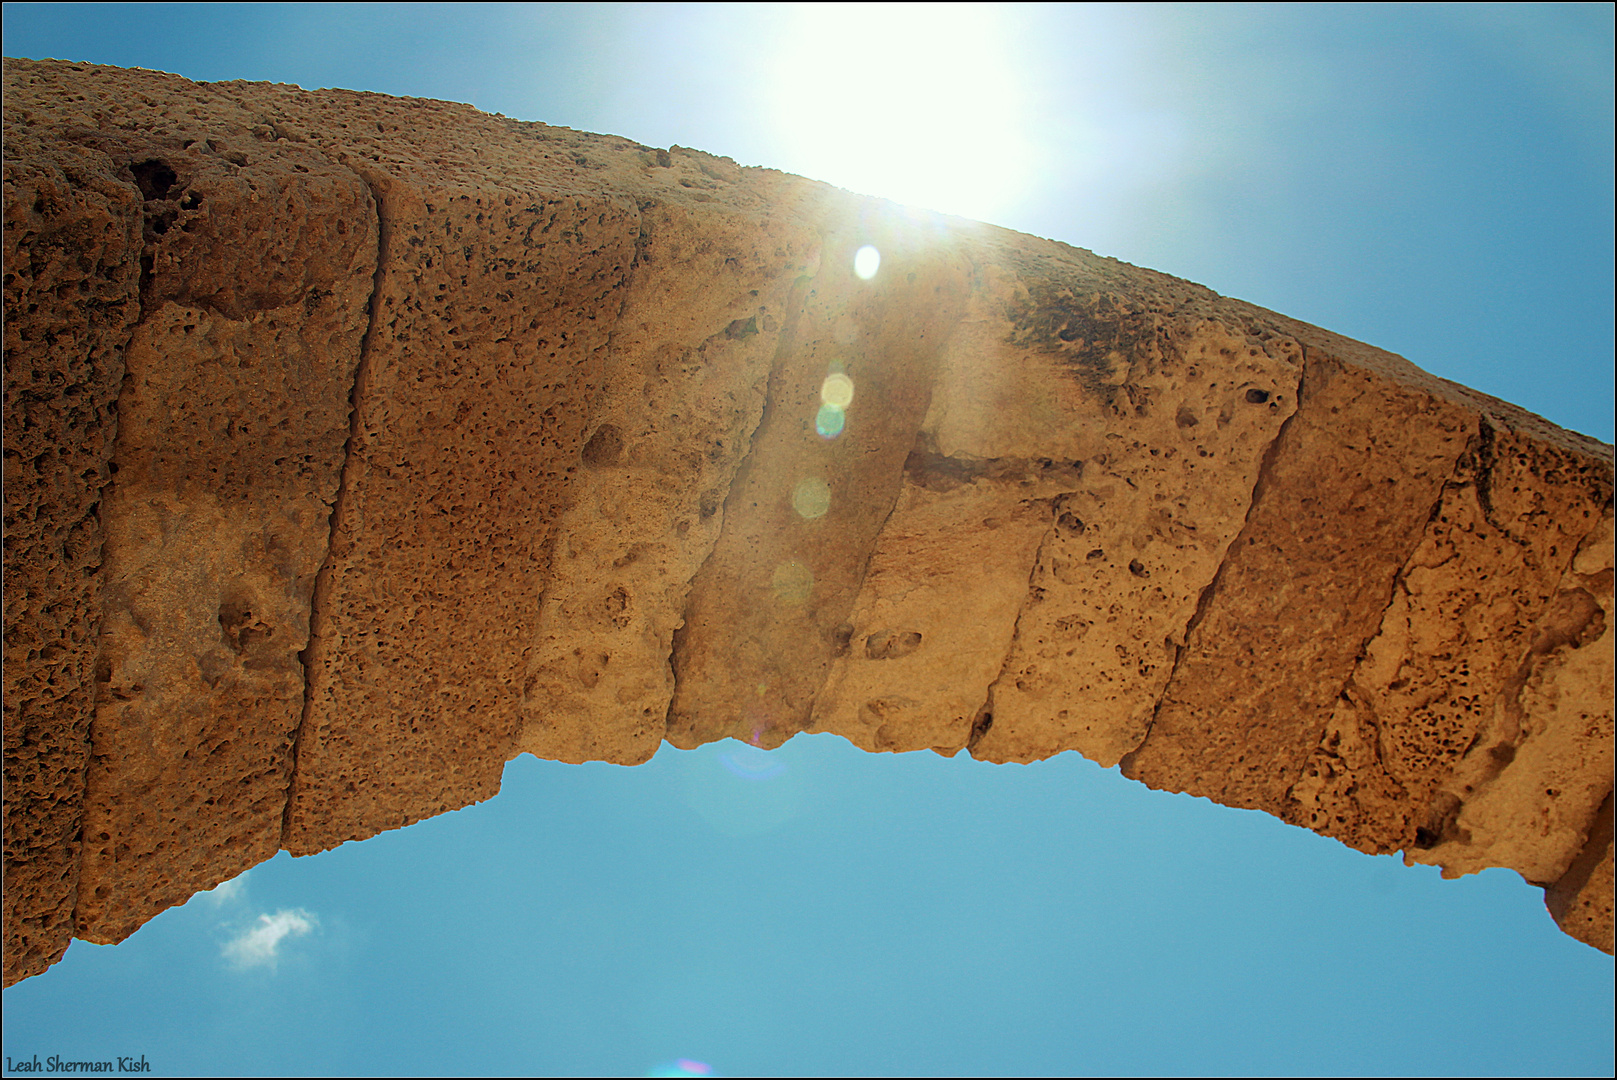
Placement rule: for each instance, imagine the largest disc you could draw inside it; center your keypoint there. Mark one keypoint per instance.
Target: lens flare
(682, 1067)
(751, 763)
(836, 394)
(837, 390)
(830, 421)
(740, 790)
(811, 498)
(866, 261)
(792, 582)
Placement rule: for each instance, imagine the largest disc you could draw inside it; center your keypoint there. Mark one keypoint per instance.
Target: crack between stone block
(1397, 586)
(1484, 473)
(1204, 600)
(983, 722)
(598, 411)
(318, 601)
(797, 304)
(904, 477)
(1572, 617)
(1479, 449)
(96, 512)
(926, 466)
(796, 309)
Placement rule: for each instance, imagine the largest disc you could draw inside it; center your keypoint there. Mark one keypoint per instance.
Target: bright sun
(919, 103)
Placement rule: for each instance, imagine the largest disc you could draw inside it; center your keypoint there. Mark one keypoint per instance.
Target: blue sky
(1434, 180)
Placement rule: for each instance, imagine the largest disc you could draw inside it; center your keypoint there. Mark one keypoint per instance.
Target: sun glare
(918, 103)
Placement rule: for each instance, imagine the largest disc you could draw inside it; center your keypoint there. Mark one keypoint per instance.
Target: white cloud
(260, 945)
(226, 891)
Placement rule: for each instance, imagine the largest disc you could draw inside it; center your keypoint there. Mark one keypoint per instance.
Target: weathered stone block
(354, 445)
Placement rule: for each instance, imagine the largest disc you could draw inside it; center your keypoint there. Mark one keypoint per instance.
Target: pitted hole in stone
(617, 607)
(1098, 553)
(742, 328)
(240, 626)
(891, 644)
(214, 666)
(1069, 524)
(841, 637)
(154, 178)
(605, 447)
(708, 505)
(1137, 568)
(1441, 815)
(1256, 396)
(591, 666)
(1186, 417)
(980, 727)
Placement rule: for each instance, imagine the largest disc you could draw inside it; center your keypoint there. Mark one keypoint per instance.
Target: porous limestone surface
(72, 272)
(232, 420)
(355, 445)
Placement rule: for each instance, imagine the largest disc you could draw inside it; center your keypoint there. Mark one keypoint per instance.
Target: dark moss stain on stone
(1094, 336)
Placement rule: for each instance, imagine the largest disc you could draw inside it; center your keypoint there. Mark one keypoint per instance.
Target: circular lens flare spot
(751, 763)
(837, 389)
(830, 421)
(792, 582)
(866, 261)
(811, 498)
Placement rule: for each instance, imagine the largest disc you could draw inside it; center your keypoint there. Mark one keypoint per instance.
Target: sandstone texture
(355, 445)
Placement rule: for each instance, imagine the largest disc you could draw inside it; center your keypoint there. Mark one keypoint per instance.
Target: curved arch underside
(355, 445)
